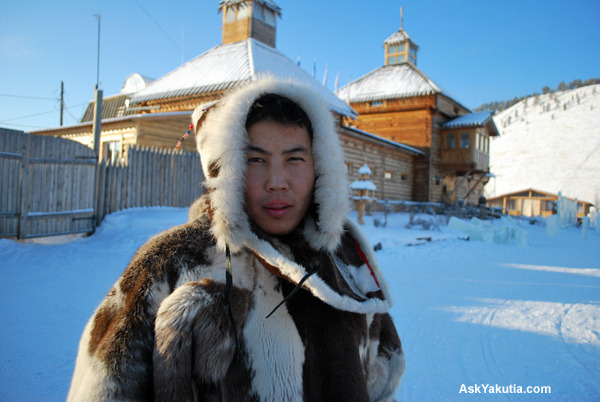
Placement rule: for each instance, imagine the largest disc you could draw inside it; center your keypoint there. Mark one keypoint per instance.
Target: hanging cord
(228, 285)
(292, 293)
(184, 136)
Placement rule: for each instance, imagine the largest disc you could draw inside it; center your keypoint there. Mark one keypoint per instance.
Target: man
(269, 292)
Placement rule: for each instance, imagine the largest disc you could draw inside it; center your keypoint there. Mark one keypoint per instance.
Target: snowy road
(469, 314)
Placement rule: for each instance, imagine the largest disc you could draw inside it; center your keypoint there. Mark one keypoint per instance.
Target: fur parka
(171, 329)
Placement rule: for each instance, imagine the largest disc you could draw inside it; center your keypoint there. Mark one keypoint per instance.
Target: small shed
(533, 202)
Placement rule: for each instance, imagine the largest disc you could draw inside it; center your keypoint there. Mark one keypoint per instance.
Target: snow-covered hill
(550, 143)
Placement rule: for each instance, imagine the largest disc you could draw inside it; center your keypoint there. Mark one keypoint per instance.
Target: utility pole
(97, 130)
(62, 101)
(97, 126)
(98, 16)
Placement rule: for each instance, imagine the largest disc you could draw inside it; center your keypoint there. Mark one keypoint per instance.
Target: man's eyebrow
(296, 149)
(254, 148)
(293, 150)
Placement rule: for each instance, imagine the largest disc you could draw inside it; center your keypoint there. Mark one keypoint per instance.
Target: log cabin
(157, 112)
(399, 102)
(531, 202)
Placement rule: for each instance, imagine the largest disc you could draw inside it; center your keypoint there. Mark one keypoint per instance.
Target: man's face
(280, 176)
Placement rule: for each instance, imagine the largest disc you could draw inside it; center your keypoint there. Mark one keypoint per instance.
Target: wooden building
(157, 113)
(399, 102)
(533, 202)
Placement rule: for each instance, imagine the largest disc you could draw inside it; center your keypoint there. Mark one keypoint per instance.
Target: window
(392, 49)
(404, 177)
(349, 169)
(388, 175)
(450, 141)
(269, 17)
(230, 14)
(112, 150)
(401, 48)
(511, 204)
(548, 205)
(376, 103)
(392, 60)
(464, 140)
(243, 11)
(257, 12)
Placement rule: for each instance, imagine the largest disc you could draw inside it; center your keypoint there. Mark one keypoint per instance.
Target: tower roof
(399, 37)
(389, 82)
(228, 66)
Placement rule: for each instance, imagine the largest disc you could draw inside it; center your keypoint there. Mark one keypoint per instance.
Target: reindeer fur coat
(164, 331)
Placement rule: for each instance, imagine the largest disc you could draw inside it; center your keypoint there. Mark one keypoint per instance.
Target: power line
(38, 114)
(158, 25)
(28, 97)
(24, 125)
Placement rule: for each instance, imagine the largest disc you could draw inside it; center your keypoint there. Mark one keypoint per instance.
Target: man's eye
(296, 159)
(255, 160)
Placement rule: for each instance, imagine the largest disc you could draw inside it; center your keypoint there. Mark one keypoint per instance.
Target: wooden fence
(47, 184)
(151, 177)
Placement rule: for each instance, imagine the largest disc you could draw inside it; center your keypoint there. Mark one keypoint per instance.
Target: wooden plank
(24, 207)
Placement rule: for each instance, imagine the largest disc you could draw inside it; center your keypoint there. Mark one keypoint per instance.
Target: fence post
(24, 207)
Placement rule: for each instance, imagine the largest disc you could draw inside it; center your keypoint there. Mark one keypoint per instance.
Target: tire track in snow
(593, 375)
(486, 347)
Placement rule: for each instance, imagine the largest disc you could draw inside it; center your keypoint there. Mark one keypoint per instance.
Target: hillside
(551, 143)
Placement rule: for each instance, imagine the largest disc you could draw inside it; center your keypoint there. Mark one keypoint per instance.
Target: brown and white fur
(163, 331)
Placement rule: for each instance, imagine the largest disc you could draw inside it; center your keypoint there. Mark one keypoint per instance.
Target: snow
(363, 185)
(476, 119)
(389, 82)
(470, 314)
(227, 66)
(365, 169)
(555, 140)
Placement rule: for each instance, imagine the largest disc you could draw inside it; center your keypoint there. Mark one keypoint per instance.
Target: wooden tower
(243, 19)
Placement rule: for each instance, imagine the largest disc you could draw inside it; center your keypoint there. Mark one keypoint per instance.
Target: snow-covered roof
(145, 116)
(477, 119)
(364, 169)
(389, 82)
(397, 37)
(230, 65)
(363, 185)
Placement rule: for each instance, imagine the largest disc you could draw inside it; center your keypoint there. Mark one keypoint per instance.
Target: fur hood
(222, 141)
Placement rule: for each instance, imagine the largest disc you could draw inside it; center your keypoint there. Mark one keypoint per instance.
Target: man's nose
(277, 179)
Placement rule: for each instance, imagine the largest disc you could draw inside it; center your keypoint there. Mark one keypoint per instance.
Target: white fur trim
(315, 284)
(274, 346)
(222, 139)
(367, 250)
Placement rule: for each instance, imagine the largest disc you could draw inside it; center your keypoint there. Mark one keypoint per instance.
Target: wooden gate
(47, 186)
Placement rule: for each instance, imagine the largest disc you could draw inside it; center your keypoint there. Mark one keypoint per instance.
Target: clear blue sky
(477, 51)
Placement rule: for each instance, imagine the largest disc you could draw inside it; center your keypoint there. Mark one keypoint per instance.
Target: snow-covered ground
(549, 143)
(470, 314)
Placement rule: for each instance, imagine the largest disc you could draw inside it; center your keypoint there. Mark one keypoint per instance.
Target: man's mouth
(277, 209)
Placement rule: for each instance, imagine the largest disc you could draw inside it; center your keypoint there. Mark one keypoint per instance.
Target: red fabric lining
(364, 258)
